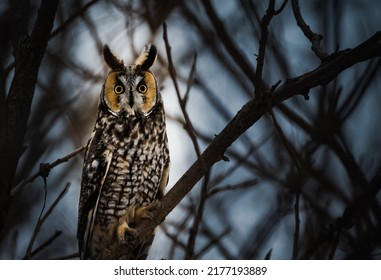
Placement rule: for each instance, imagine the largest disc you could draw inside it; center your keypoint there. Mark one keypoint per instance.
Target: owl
(126, 161)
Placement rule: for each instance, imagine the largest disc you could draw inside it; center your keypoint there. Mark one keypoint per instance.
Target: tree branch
(45, 168)
(352, 212)
(249, 114)
(314, 38)
(228, 42)
(265, 22)
(43, 218)
(28, 52)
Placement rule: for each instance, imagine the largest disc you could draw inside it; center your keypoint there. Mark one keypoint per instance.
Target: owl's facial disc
(144, 93)
(132, 94)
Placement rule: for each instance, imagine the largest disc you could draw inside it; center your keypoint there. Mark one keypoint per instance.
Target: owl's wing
(163, 182)
(165, 175)
(96, 166)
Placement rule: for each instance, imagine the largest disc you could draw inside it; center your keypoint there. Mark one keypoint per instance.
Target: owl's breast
(134, 173)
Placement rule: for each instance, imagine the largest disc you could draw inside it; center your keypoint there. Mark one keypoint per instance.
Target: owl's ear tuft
(147, 58)
(114, 62)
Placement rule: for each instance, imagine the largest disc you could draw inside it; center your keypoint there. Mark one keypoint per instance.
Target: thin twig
(59, 29)
(68, 256)
(42, 219)
(172, 72)
(174, 238)
(193, 232)
(287, 144)
(190, 79)
(45, 168)
(277, 12)
(332, 252)
(240, 186)
(265, 22)
(314, 38)
(352, 212)
(45, 244)
(71, 19)
(229, 42)
(291, 151)
(268, 254)
(28, 254)
(214, 241)
(295, 247)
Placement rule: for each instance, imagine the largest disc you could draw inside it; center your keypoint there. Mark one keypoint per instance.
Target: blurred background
(259, 204)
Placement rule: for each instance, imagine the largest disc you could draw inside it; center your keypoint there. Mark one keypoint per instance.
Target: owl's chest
(135, 161)
(135, 150)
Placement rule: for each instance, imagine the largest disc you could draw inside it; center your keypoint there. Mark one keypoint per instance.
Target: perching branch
(249, 114)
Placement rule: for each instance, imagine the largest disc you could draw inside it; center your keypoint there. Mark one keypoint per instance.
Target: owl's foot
(145, 212)
(123, 229)
(135, 214)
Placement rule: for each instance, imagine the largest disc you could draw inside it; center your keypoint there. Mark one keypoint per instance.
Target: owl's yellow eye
(118, 89)
(142, 88)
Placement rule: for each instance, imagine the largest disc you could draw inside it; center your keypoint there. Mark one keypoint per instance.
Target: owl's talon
(124, 229)
(145, 212)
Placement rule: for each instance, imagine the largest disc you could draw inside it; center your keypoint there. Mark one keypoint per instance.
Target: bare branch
(295, 247)
(45, 169)
(45, 244)
(190, 79)
(73, 17)
(43, 218)
(314, 38)
(193, 233)
(265, 22)
(240, 186)
(214, 241)
(351, 212)
(228, 42)
(290, 149)
(172, 72)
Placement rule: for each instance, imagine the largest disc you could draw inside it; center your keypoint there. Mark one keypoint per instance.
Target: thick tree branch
(250, 113)
(28, 53)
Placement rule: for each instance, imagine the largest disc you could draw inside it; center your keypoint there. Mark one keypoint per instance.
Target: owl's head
(130, 90)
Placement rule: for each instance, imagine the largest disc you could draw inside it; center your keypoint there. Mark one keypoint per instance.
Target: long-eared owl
(126, 161)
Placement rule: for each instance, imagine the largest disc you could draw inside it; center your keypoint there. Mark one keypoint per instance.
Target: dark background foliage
(301, 183)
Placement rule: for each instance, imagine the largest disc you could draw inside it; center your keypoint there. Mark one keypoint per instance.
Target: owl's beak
(130, 99)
